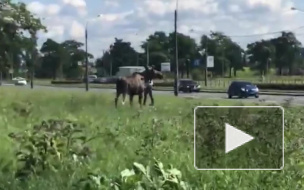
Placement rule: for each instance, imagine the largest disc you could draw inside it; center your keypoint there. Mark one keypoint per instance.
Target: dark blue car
(242, 89)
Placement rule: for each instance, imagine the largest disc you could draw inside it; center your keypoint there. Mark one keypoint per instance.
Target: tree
(158, 45)
(287, 51)
(62, 59)
(260, 53)
(227, 54)
(121, 54)
(14, 20)
(51, 59)
(71, 67)
(187, 49)
(161, 49)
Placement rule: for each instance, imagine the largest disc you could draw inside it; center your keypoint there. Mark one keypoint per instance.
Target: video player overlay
(239, 138)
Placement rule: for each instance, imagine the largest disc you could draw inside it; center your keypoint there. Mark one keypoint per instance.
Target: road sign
(210, 61)
(196, 62)
(165, 67)
(235, 138)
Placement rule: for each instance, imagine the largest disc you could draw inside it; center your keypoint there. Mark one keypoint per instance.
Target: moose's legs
(123, 98)
(116, 98)
(140, 96)
(131, 99)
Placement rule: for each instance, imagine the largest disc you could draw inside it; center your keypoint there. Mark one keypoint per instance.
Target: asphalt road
(276, 99)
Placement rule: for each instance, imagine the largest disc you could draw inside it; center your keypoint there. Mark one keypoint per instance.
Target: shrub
(281, 86)
(48, 145)
(66, 82)
(197, 74)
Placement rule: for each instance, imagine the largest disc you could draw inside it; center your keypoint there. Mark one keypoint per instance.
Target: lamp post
(147, 53)
(176, 51)
(87, 59)
(87, 62)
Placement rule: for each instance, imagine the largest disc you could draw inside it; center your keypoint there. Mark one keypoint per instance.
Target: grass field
(120, 138)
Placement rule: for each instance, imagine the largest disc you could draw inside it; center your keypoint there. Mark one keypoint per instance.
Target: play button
(235, 138)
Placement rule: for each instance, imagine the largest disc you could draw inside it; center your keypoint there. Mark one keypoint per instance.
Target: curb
(202, 91)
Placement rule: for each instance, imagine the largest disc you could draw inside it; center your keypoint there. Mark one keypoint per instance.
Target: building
(129, 70)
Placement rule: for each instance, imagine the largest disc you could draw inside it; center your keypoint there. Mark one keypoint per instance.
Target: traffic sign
(196, 62)
(210, 61)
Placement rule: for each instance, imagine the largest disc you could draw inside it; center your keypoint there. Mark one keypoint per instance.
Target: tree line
(19, 53)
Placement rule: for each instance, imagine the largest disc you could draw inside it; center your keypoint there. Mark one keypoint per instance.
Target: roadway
(276, 99)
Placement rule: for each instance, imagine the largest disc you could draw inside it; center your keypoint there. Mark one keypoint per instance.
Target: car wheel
(256, 96)
(229, 96)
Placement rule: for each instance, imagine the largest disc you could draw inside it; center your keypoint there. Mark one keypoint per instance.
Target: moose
(139, 83)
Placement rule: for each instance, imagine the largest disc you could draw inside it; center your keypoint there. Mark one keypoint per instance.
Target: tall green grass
(127, 135)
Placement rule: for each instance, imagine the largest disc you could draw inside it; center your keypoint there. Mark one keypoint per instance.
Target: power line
(264, 34)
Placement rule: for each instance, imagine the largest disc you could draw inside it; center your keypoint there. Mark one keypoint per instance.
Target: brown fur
(136, 85)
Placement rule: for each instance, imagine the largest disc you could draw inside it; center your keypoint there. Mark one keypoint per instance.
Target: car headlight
(242, 89)
(198, 86)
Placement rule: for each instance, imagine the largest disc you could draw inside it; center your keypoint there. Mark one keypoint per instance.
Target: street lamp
(176, 51)
(148, 53)
(86, 51)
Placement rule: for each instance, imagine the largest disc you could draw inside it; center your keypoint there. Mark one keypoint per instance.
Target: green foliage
(49, 145)
(62, 59)
(139, 177)
(227, 53)
(67, 81)
(118, 133)
(15, 20)
(197, 74)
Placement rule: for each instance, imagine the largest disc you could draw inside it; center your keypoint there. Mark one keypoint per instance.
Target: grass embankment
(123, 136)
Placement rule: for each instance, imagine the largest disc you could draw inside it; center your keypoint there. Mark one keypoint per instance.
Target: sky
(135, 20)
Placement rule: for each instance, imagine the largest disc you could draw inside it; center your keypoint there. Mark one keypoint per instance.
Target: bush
(197, 74)
(66, 82)
(281, 86)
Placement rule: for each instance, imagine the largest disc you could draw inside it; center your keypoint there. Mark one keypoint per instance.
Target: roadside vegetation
(69, 140)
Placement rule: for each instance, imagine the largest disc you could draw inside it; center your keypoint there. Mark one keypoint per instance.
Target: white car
(19, 81)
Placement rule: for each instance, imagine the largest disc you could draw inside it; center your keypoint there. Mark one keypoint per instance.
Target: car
(91, 78)
(242, 89)
(188, 85)
(105, 80)
(19, 81)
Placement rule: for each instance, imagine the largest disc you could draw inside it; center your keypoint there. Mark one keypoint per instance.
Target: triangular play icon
(235, 138)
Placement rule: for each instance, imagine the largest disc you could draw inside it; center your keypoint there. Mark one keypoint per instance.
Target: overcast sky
(134, 20)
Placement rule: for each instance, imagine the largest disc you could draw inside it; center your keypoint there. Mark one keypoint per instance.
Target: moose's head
(152, 73)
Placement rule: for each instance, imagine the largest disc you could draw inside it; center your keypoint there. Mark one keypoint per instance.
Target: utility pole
(148, 56)
(206, 53)
(34, 57)
(111, 60)
(176, 52)
(87, 62)
(111, 68)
